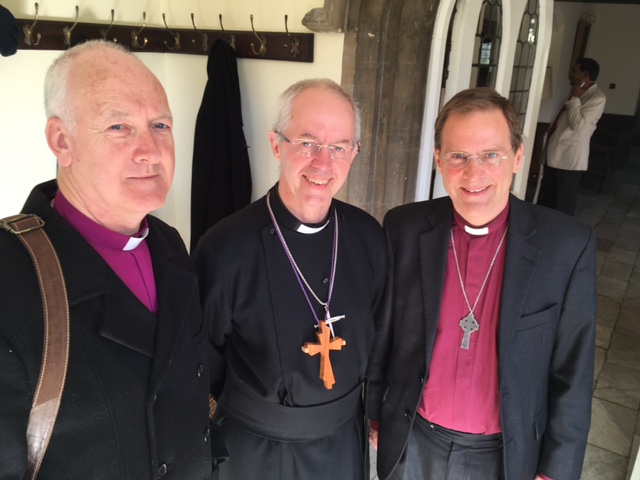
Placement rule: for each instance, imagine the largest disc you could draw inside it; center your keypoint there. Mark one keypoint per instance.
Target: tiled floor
(614, 212)
(615, 424)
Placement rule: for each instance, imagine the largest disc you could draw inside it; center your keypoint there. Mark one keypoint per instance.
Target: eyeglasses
(308, 148)
(459, 160)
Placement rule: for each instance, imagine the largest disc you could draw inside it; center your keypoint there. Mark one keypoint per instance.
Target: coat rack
(59, 35)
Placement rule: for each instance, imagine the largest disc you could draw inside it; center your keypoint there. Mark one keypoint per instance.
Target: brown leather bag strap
(55, 305)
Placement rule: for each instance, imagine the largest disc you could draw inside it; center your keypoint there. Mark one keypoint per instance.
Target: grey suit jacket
(546, 334)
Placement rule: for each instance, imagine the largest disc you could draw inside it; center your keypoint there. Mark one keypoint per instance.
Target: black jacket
(135, 403)
(546, 336)
(221, 175)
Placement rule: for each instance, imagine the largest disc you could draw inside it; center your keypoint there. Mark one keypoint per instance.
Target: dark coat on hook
(8, 33)
(221, 175)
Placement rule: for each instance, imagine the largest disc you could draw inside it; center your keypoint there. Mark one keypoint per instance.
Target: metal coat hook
(203, 36)
(295, 41)
(176, 36)
(68, 30)
(105, 31)
(262, 39)
(134, 34)
(28, 31)
(588, 17)
(232, 38)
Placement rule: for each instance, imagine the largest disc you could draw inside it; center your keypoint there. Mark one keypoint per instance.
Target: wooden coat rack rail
(60, 35)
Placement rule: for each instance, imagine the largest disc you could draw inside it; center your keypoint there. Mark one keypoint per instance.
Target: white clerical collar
(133, 242)
(290, 221)
(476, 231)
(302, 228)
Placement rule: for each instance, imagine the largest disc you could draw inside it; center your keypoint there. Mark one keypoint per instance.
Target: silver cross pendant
(468, 325)
(330, 320)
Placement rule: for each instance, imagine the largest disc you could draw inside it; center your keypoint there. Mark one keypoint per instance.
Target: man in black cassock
(290, 285)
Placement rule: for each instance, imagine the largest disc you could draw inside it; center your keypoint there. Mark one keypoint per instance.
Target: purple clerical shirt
(462, 389)
(128, 256)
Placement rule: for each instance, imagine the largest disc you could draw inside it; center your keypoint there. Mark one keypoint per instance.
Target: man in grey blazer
(485, 364)
(567, 151)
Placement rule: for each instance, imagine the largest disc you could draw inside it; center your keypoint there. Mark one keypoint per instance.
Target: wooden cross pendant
(323, 347)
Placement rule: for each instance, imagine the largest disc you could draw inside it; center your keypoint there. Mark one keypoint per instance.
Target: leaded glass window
(525, 58)
(487, 44)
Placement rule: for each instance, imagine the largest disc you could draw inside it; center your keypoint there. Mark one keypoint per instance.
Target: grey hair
(56, 83)
(285, 103)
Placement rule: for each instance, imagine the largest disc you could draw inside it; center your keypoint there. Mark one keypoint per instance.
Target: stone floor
(615, 424)
(614, 213)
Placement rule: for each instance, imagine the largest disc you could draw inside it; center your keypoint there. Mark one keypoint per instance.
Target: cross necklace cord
(325, 343)
(300, 276)
(469, 324)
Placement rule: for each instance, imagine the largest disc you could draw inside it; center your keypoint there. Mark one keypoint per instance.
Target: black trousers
(559, 189)
(436, 453)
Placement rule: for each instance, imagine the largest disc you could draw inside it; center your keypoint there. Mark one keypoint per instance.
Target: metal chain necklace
(469, 324)
(324, 328)
(300, 277)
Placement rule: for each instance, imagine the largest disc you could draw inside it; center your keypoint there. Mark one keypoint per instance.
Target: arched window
(447, 51)
(487, 44)
(524, 59)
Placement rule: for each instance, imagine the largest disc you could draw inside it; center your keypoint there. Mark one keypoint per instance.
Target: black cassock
(279, 420)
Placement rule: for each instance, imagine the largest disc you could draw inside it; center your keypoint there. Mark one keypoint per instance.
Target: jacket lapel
(89, 279)
(521, 255)
(177, 292)
(434, 245)
(125, 320)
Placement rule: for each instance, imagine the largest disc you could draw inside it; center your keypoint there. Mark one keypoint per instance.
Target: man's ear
(355, 152)
(436, 155)
(275, 145)
(57, 135)
(519, 158)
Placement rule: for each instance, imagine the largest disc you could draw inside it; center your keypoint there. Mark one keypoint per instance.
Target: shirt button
(421, 378)
(207, 432)
(272, 231)
(325, 280)
(162, 470)
(407, 416)
(200, 370)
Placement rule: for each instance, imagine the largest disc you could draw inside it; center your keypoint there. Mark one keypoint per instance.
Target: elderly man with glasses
(490, 318)
(290, 286)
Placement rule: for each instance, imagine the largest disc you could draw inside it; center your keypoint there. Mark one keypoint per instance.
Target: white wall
(613, 42)
(24, 156)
